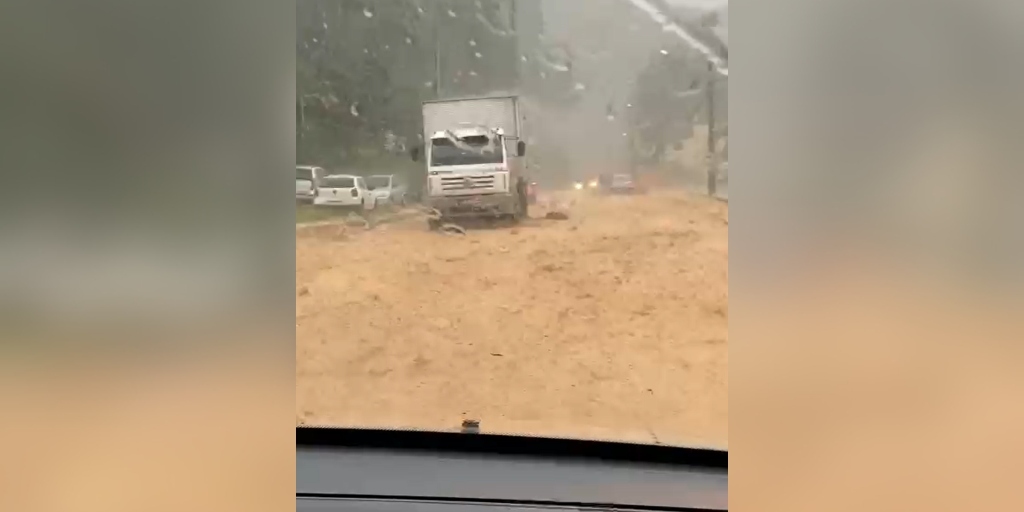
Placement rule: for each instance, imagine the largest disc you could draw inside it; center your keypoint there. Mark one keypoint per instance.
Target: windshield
(577, 307)
(375, 182)
(465, 151)
(337, 182)
(304, 173)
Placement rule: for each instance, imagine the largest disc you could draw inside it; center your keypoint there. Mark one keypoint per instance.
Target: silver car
(387, 189)
(621, 184)
(307, 179)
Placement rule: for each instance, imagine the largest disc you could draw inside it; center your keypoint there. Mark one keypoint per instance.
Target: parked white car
(387, 189)
(344, 190)
(306, 179)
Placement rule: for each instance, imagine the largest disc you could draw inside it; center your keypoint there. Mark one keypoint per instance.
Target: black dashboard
(354, 470)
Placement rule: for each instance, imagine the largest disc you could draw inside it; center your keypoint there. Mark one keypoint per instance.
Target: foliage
(669, 98)
(363, 67)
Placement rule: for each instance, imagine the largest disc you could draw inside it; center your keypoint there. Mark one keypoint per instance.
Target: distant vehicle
(306, 179)
(621, 183)
(346, 191)
(474, 158)
(387, 189)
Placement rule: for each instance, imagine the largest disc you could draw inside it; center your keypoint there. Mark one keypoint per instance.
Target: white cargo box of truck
(500, 112)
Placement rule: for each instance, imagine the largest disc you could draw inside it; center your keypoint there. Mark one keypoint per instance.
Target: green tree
(667, 100)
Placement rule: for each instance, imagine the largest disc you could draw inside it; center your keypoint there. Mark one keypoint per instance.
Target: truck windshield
(471, 150)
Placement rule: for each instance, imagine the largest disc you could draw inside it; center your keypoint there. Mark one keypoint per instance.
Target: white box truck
(474, 152)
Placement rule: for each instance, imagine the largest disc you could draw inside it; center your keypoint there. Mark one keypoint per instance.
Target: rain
(588, 136)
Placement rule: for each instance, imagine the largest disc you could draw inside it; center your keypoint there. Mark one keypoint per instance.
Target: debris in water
(432, 213)
(356, 220)
(453, 229)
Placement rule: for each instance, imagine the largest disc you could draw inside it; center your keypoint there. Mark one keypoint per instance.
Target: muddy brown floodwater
(612, 324)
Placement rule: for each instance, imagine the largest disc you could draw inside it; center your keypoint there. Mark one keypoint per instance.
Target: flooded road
(611, 324)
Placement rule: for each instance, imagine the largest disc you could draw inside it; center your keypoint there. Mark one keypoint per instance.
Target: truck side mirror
(521, 148)
(415, 153)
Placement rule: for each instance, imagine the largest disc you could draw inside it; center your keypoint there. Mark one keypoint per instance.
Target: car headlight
(579, 186)
(593, 184)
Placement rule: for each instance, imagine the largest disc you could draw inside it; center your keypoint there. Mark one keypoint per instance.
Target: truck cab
(474, 169)
(467, 161)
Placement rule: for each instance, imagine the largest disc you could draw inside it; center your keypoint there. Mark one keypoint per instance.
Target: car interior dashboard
(368, 470)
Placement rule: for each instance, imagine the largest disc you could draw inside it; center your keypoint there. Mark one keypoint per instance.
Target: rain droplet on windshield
(452, 14)
(354, 109)
(477, 54)
(580, 87)
(472, 42)
(524, 58)
(611, 117)
(472, 73)
(664, 52)
(408, 40)
(368, 13)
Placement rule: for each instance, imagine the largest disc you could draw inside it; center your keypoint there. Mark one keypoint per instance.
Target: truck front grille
(453, 183)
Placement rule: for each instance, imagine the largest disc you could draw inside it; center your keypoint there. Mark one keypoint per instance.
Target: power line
(717, 63)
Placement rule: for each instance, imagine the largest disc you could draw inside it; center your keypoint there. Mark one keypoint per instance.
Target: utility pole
(712, 142)
(516, 37)
(437, 49)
